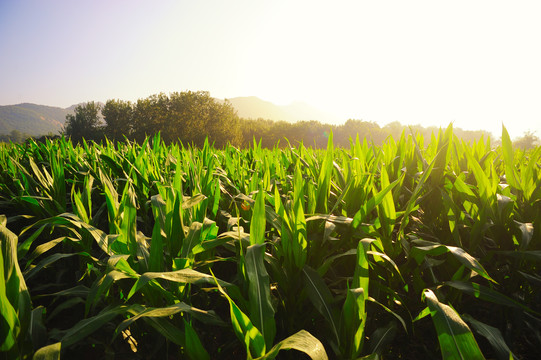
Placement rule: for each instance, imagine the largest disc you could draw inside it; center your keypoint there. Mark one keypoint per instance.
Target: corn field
(418, 248)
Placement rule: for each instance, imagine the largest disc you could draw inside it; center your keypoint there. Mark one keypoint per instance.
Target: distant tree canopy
(527, 141)
(191, 117)
(84, 122)
(117, 115)
(14, 136)
(187, 116)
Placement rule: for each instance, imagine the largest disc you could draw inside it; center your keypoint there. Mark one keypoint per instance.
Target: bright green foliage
(455, 337)
(15, 306)
(170, 251)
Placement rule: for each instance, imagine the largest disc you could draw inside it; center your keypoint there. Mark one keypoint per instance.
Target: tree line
(191, 117)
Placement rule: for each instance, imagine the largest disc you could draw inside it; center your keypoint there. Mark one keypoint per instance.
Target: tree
(118, 117)
(14, 136)
(150, 116)
(527, 141)
(194, 116)
(84, 123)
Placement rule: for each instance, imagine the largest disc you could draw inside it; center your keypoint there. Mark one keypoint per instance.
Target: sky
(474, 63)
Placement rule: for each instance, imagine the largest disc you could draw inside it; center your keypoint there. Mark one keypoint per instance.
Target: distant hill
(252, 107)
(32, 119)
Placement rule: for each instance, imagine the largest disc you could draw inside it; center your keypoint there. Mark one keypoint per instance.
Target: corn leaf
(49, 352)
(455, 337)
(494, 337)
(194, 348)
(246, 332)
(261, 310)
(321, 298)
(257, 223)
(302, 341)
(423, 248)
(487, 294)
(508, 158)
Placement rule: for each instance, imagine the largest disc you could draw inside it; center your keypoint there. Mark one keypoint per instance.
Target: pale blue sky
(475, 62)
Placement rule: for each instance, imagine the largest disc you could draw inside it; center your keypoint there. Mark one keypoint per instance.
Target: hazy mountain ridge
(39, 120)
(32, 119)
(252, 107)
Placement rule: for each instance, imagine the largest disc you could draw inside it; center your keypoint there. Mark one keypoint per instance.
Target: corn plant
(418, 248)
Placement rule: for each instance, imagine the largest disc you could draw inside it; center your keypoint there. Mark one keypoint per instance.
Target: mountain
(32, 119)
(252, 107)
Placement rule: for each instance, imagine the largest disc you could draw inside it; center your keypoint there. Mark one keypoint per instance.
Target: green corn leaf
(103, 285)
(23, 248)
(324, 178)
(111, 200)
(208, 233)
(508, 158)
(530, 255)
(261, 310)
(388, 260)
(73, 222)
(41, 177)
(77, 291)
(387, 212)
(43, 248)
(128, 225)
(193, 238)
(190, 202)
(533, 279)
(258, 221)
(354, 322)
(174, 228)
(486, 190)
(372, 203)
(494, 337)
(49, 260)
(246, 332)
(527, 231)
(299, 242)
(194, 348)
(412, 202)
(63, 306)
(360, 276)
(321, 298)
(323, 268)
(49, 352)
(454, 336)
(398, 317)
(487, 294)
(37, 330)
(442, 157)
(8, 315)
(528, 184)
(301, 341)
(425, 312)
(58, 181)
(370, 357)
(184, 276)
(156, 320)
(423, 248)
(155, 262)
(139, 312)
(88, 326)
(382, 337)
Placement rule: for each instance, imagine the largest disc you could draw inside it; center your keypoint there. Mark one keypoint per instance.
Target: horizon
(472, 64)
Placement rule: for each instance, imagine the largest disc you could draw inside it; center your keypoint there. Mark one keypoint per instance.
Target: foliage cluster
(191, 117)
(15, 136)
(418, 248)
